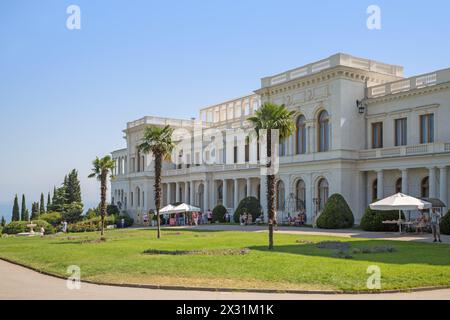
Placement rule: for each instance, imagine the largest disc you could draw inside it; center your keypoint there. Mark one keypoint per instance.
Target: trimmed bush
(372, 220)
(249, 205)
(16, 227)
(90, 225)
(54, 218)
(336, 214)
(127, 219)
(218, 213)
(445, 223)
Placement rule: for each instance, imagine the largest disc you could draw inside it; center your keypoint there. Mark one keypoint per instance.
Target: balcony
(401, 151)
(418, 82)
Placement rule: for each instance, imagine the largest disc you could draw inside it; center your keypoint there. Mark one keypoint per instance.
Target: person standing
(435, 225)
(209, 216)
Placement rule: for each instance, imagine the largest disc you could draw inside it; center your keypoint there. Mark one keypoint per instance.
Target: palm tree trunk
(157, 186)
(270, 189)
(103, 202)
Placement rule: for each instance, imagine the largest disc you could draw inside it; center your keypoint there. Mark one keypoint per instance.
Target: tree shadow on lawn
(404, 253)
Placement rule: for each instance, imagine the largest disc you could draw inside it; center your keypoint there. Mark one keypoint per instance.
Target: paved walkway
(347, 233)
(22, 283)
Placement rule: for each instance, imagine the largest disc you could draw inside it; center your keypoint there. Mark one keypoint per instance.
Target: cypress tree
(16, 210)
(3, 223)
(73, 188)
(49, 202)
(23, 209)
(35, 211)
(26, 215)
(42, 205)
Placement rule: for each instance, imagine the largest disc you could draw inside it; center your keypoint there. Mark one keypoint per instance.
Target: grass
(296, 262)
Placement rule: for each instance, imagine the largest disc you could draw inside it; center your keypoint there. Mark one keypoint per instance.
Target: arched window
(374, 189)
(300, 195)
(398, 185)
(323, 193)
(138, 194)
(324, 131)
(300, 139)
(280, 195)
(425, 187)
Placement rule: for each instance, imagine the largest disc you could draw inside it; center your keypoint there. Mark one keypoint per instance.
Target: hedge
(90, 225)
(372, 220)
(336, 214)
(249, 205)
(218, 213)
(16, 227)
(445, 224)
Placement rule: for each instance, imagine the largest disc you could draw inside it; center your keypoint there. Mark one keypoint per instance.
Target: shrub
(249, 205)
(72, 215)
(372, 220)
(127, 219)
(90, 225)
(91, 213)
(16, 227)
(54, 218)
(218, 213)
(336, 214)
(112, 210)
(445, 223)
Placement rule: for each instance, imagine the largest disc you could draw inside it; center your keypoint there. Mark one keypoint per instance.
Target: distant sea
(6, 208)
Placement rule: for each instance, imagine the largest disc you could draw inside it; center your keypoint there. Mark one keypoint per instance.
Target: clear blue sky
(66, 95)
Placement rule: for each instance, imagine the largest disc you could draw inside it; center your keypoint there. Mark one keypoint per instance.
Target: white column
(380, 184)
(236, 193)
(443, 183)
(186, 192)
(192, 193)
(213, 194)
(224, 193)
(168, 194)
(205, 196)
(432, 181)
(249, 187)
(177, 192)
(405, 181)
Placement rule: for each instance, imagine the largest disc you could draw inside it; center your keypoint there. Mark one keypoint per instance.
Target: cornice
(323, 76)
(409, 93)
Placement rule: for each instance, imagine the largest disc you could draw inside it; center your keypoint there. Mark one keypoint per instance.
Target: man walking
(435, 225)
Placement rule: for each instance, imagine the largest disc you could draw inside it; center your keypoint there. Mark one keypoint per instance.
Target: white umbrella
(400, 202)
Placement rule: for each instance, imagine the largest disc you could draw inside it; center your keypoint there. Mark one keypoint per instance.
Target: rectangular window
(427, 128)
(377, 135)
(401, 132)
(132, 199)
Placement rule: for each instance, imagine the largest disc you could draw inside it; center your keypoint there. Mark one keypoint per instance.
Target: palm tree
(101, 169)
(158, 141)
(272, 117)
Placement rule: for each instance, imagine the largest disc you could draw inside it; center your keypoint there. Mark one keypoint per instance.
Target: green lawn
(291, 265)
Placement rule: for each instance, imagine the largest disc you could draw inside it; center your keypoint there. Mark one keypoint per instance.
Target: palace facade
(363, 130)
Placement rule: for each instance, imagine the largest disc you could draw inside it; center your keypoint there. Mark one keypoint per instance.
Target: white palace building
(363, 131)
